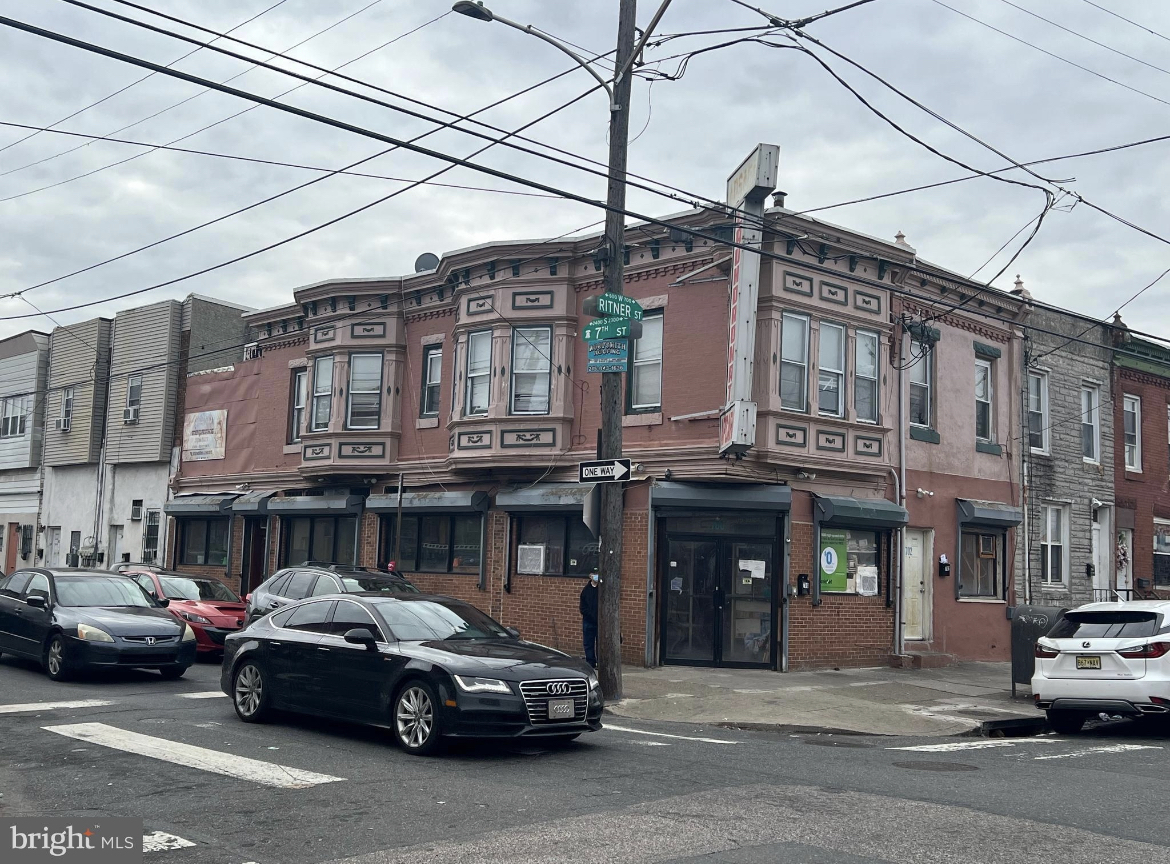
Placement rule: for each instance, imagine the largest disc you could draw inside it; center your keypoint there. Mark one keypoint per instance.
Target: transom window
(831, 370)
(365, 392)
(531, 370)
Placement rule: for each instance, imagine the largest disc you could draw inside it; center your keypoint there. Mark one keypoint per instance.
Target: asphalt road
(316, 791)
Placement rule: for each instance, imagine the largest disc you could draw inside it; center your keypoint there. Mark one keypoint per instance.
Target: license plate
(1088, 663)
(562, 709)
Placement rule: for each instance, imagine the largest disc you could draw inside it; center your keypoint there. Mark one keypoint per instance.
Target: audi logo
(559, 688)
(150, 641)
(1085, 644)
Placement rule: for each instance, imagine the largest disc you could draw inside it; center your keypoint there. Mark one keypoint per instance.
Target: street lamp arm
(556, 43)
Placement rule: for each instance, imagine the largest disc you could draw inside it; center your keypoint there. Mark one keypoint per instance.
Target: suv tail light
(1154, 650)
(1046, 652)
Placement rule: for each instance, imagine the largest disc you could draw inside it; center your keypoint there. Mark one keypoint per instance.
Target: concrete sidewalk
(892, 701)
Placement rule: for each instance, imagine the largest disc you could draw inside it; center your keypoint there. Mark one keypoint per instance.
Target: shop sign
(833, 562)
(205, 435)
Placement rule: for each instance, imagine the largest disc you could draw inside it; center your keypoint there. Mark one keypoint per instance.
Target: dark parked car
(70, 619)
(212, 609)
(314, 578)
(425, 666)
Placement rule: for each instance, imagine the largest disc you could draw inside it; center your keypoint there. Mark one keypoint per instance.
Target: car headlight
(594, 683)
(482, 684)
(194, 617)
(188, 635)
(93, 633)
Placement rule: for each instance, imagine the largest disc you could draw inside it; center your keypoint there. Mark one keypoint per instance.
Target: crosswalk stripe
(967, 746)
(194, 757)
(52, 705)
(1098, 750)
(609, 727)
(199, 695)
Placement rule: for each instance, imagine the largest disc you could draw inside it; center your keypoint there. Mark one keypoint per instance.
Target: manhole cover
(841, 744)
(935, 766)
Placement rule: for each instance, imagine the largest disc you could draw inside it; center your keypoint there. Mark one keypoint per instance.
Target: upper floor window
(1038, 412)
(479, 373)
(432, 379)
(831, 370)
(983, 400)
(1090, 429)
(1131, 414)
(646, 373)
(531, 370)
(14, 420)
(921, 383)
(298, 400)
(794, 363)
(133, 392)
(67, 395)
(322, 393)
(865, 377)
(365, 392)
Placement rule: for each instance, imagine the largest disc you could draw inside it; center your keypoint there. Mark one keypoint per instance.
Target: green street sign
(612, 329)
(612, 306)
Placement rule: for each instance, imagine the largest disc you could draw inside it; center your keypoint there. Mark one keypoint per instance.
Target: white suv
(1108, 657)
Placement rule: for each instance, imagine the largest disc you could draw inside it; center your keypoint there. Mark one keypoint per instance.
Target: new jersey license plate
(1088, 663)
(562, 709)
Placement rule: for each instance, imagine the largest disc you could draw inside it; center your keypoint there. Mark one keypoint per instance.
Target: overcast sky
(689, 133)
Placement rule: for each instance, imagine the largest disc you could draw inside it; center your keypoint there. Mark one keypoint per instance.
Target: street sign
(612, 329)
(598, 471)
(609, 304)
(608, 356)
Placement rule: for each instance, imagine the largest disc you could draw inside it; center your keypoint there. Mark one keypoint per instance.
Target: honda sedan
(427, 667)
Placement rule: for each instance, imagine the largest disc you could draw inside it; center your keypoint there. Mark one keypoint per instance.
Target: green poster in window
(833, 563)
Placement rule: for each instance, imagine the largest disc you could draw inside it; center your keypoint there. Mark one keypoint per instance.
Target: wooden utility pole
(609, 649)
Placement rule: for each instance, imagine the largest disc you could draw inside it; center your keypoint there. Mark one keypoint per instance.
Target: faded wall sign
(204, 435)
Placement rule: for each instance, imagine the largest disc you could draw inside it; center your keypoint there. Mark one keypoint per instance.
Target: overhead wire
(1129, 20)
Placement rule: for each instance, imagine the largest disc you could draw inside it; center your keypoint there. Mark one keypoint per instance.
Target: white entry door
(1125, 568)
(916, 601)
(1102, 554)
(53, 552)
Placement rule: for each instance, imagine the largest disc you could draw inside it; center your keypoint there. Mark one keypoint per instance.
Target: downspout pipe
(1025, 481)
(651, 558)
(900, 483)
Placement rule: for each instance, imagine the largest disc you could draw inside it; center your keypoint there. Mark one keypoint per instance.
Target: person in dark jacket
(589, 618)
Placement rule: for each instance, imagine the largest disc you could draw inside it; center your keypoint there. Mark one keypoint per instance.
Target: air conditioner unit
(135, 512)
(62, 424)
(130, 415)
(530, 559)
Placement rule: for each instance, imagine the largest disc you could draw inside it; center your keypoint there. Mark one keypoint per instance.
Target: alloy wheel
(56, 652)
(415, 717)
(249, 690)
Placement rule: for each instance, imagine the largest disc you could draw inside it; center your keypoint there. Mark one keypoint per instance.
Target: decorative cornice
(664, 270)
(960, 322)
(1144, 377)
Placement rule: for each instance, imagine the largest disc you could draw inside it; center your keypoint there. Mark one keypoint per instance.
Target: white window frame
(922, 352)
(837, 371)
(67, 397)
(1128, 401)
(859, 378)
(322, 393)
(1047, 543)
(1094, 413)
(801, 364)
(376, 391)
(648, 364)
(521, 335)
(14, 417)
(468, 390)
(131, 383)
(432, 378)
(985, 364)
(1041, 378)
(300, 403)
(151, 518)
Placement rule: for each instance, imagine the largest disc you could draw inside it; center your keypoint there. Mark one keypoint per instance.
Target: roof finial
(1020, 290)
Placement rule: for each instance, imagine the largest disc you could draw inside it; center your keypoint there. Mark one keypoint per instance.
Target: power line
(1129, 21)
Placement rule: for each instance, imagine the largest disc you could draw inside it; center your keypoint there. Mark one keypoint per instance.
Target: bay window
(365, 392)
(531, 370)
(298, 400)
(831, 370)
(479, 373)
(865, 377)
(432, 377)
(322, 393)
(794, 362)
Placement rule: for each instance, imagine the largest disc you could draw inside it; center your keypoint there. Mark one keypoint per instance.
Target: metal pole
(398, 526)
(609, 649)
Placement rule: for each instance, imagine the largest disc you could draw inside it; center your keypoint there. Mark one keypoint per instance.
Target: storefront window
(204, 542)
(441, 543)
(849, 561)
(320, 539)
(569, 546)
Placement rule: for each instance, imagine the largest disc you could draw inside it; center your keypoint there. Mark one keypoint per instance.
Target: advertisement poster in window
(834, 574)
(205, 435)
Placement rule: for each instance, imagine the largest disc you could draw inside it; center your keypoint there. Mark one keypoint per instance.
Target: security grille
(537, 694)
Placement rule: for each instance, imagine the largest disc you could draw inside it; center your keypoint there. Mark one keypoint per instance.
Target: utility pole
(609, 648)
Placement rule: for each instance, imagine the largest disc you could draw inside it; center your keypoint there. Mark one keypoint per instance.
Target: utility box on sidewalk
(1028, 623)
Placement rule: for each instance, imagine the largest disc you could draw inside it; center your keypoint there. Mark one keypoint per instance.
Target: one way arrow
(595, 471)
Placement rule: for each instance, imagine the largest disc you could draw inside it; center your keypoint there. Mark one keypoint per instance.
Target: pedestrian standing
(589, 618)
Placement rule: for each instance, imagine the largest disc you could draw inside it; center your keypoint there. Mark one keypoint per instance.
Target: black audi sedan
(320, 578)
(72, 619)
(426, 666)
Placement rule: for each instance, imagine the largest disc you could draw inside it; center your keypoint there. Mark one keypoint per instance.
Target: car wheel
(172, 672)
(54, 663)
(416, 718)
(249, 693)
(1065, 722)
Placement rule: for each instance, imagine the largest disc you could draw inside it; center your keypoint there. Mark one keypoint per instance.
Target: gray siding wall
(218, 333)
(146, 343)
(1062, 475)
(79, 356)
(23, 370)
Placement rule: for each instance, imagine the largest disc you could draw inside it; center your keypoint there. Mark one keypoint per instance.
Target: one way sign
(595, 471)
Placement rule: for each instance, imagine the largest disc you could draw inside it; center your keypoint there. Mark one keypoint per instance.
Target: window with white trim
(479, 373)
(983, 400)
(982, 564)
(322, 393)
(134, 392)
(794, 362)
(531, 370)
(831, 370)
(865, 377)
(365, 392)
(67, 397)
(14, 421)
(432, 379)
(921, 383)
(1053, 544)
(298, 400)
(150, 528)
(1131, 415)
(1038, 411)
(1090, 429)
(646, 372)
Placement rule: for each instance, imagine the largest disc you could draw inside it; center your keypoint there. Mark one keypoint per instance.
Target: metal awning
(255, 502)
(754, 497)
(295, 506)
(544, 497)
(199, 505)
(436, 502)
(986, 513)
(863, 513)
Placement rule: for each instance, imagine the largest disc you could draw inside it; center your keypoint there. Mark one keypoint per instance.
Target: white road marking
(646, 743)
(157, 840)
(609, 727)
(1098, 750)
(52, 705)
(198, 695)
(964, 747)
(193, 757)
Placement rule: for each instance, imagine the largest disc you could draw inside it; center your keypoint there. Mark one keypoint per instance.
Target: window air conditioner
(130, 415)
(62, 424)
(135, 512)
(530, 559)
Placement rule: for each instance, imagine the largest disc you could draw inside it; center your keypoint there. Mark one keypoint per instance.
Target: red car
(211, 609)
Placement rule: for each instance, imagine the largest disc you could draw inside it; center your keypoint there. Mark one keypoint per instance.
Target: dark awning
(544, 497)
(432, 502)
(754, 497)
(203, 505)
(864, 513)
(255, 502)
(295, 506)
(985, 513)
